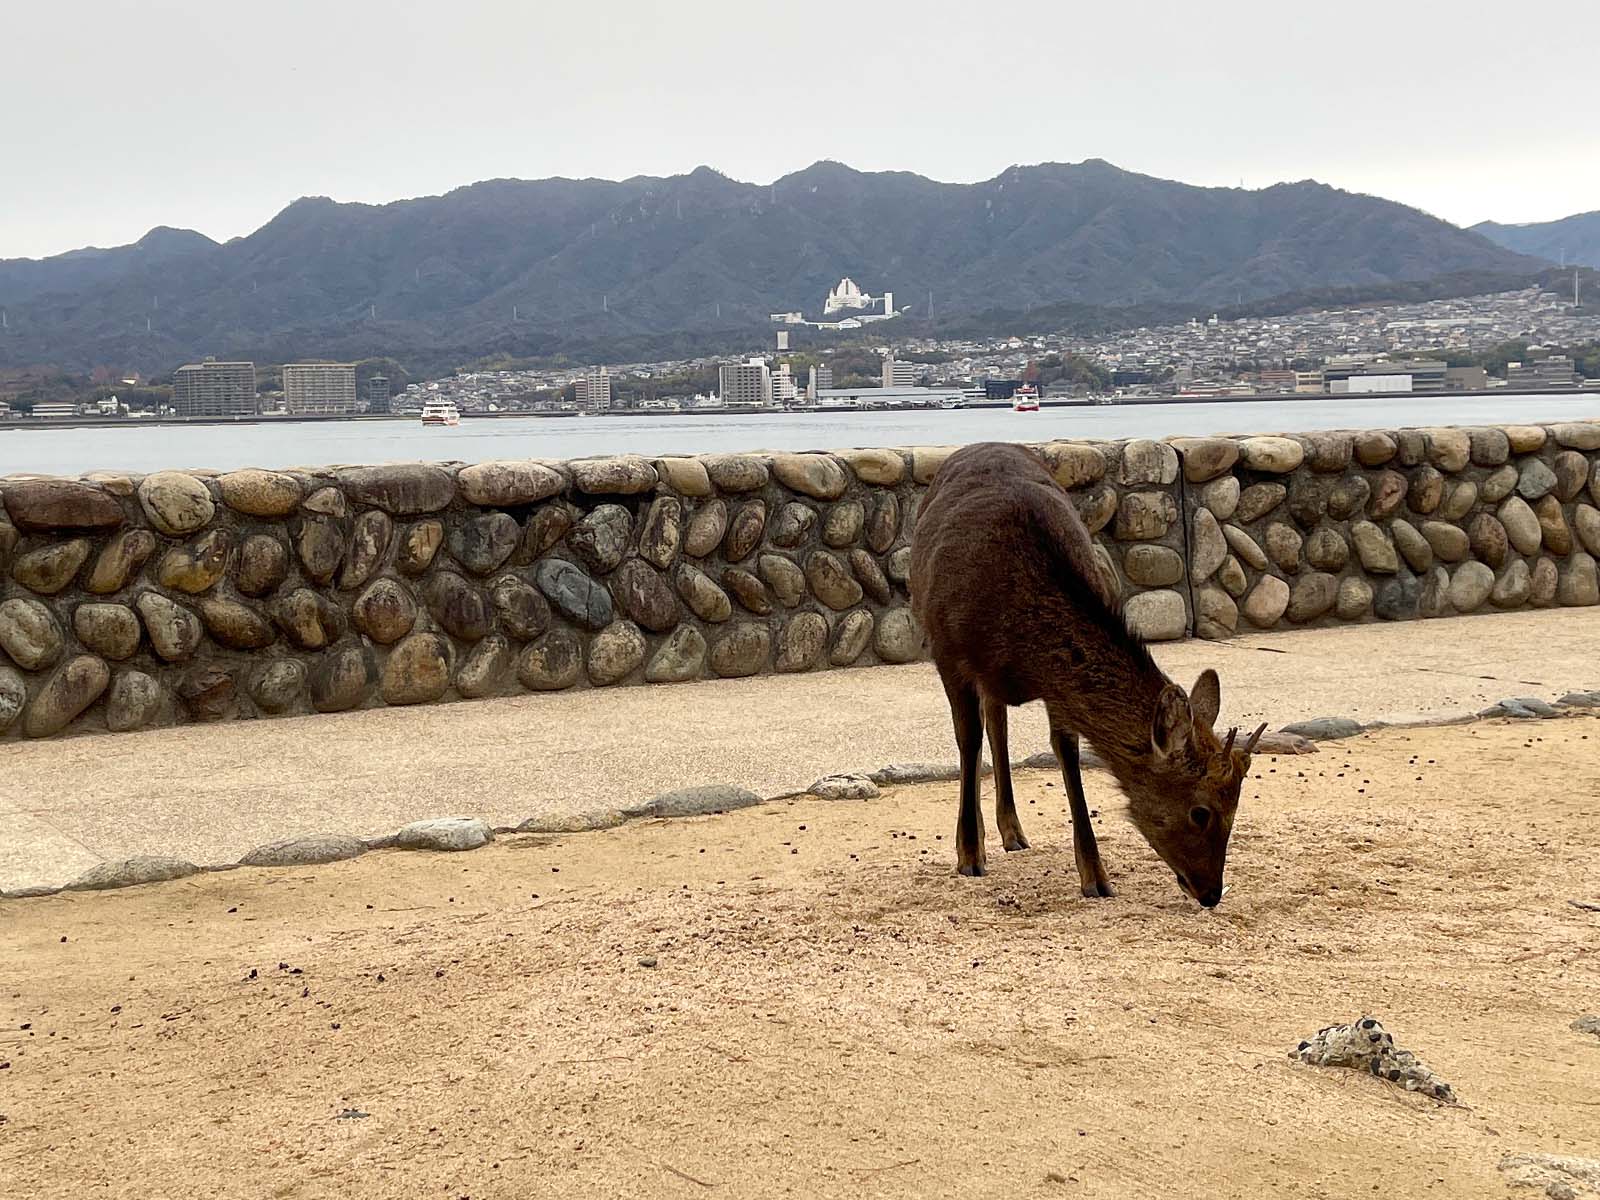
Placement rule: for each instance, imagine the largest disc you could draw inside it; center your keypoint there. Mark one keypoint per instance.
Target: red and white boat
(1025, 399)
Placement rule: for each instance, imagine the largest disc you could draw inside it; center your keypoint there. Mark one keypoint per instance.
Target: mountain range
(539, 267)
(1574, 239)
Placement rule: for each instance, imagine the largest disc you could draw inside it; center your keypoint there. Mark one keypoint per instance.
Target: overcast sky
(119, 116)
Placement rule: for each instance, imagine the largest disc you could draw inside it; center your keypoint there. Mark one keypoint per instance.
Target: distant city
(1397, 348)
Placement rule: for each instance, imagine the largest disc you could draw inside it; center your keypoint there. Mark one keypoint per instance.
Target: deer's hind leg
(1005, 805)
(967, 715)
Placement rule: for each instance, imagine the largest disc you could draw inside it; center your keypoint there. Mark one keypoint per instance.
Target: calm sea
(144, 448)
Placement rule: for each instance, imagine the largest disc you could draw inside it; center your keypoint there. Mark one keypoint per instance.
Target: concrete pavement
(210, 793)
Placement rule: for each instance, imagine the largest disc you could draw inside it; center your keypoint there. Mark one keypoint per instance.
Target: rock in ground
(844, 787)
(1365, 1045)
(444, 833)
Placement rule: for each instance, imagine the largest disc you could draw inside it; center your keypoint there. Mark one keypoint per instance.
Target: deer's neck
(1108, 697)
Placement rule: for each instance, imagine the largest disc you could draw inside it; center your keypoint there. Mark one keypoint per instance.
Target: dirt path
(833, 1012)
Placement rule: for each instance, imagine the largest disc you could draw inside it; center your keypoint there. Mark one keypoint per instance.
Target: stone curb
(454, 834)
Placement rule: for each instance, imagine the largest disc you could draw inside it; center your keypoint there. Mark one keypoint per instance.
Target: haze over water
(144, 448)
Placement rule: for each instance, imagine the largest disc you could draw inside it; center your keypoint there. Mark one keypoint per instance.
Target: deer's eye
(1200, 816)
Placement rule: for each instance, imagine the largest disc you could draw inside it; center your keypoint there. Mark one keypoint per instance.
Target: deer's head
(1184, 802)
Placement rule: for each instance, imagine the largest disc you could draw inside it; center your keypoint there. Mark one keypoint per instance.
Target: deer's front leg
(1091, 871)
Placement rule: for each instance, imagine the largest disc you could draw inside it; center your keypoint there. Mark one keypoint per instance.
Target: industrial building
(1552, 371)
(215, 389)
(311, 389)
(900, 374)
(747, 383)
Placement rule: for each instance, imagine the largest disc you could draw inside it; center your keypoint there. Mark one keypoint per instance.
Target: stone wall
(1390, 525)
(194, 596)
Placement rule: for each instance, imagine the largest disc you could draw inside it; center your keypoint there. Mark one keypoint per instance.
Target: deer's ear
(1173, 723)
(1205, 698)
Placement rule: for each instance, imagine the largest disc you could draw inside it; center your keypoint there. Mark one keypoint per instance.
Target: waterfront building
(375, 393)
(1552, 371)
(215, 389)
(594, 390)
(311, 389)
(783, 389)
(821, 377)
(898, 374)
(746, 383)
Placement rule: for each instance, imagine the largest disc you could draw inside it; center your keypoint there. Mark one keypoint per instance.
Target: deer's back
(1001, 568)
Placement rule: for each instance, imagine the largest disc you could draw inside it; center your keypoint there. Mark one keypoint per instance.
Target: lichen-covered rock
(642, 592)
(926, 461)
(1145, 516)
(680, 658)
(133, 702)
(1156, 616)
(120, 561)
(326, 502)
(236, 625)
(736, 472)
(1258, 500)
(1328, 452)
(787, 581)
(1586, 521)
(1489, 447)
(1458, 500)
(844, 787)
(1215, 614)
(1221, 496)
(420, 544)
(174, 630)
(30, 634)
(1514, 586)
(75, 685)
(369, 542)
(850, 637)
(198, 566)
(1470, 586)
(417, 671)
(1448, 542)
(1312, 596)
(1572, 472)
(1276, 455)
(1364, 1045)
(1413, 547)
(741, 650)
(1326, 550)
(801, 642)
(260, 493)
(276, 686)
(830, 582)
(385, 612)
(484, 670)
(1535, 479)
(482, 544)
(1374, 550)
(576, 596)
(1398, 598)
(263, 565)
(747, 590)
(706, 527)
(50, 568)
(1242, 544)
(1524, 439)
(546, 526)
(1449, 449)
(1487, 539)
(1096, 506)
(704, 598)
(461, 608)
(1577, 435)
(1348, 497)
(551, 663)
(1553, 530)
(896, 637)
(1410, 447)
(1373, 448)
(1206, 458)
(308, 620)
(816, 475)
(1354, 599)
(131, 872)
(342, 679)
(658, 539)
(744, 531)
(1435, 601)
(792, 524)
(1207, 546)
(523, 612)
(883, 468)
(898, 566)
(1578, 584)
(1146, 462)
(50, 504)
(1426, 491)
(1521, 526)
(1150, 565)
(400, 489)
(110, 630)
(1498, 485)
(601, 539)
(176, 503)
(1308, 499)
(843, 524)
(507, 484)
(1543, 582)
(686, 476)
(310, 851)
(621, 475)
(1389, 489)
(444, 833)
(1266, 602)
(870, 575)
(1232, 577)
(320, 546)
(1283, 546)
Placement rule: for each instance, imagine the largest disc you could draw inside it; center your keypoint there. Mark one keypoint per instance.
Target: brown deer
(1005, 583)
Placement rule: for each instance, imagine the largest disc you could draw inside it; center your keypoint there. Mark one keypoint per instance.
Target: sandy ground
(833, 1012)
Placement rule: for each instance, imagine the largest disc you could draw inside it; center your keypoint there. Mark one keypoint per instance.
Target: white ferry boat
(440, 413)
(1025, 399)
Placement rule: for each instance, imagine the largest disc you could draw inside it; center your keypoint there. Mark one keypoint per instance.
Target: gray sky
(119, 116)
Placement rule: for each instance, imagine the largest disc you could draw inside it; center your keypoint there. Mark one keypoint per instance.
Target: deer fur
(1006, 585)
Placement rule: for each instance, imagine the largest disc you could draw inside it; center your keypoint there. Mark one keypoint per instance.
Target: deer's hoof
(1099, 890)
(973, 869)
(1015, 841)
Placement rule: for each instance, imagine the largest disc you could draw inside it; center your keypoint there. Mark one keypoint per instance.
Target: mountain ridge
(527, 266)
(1575, 239)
